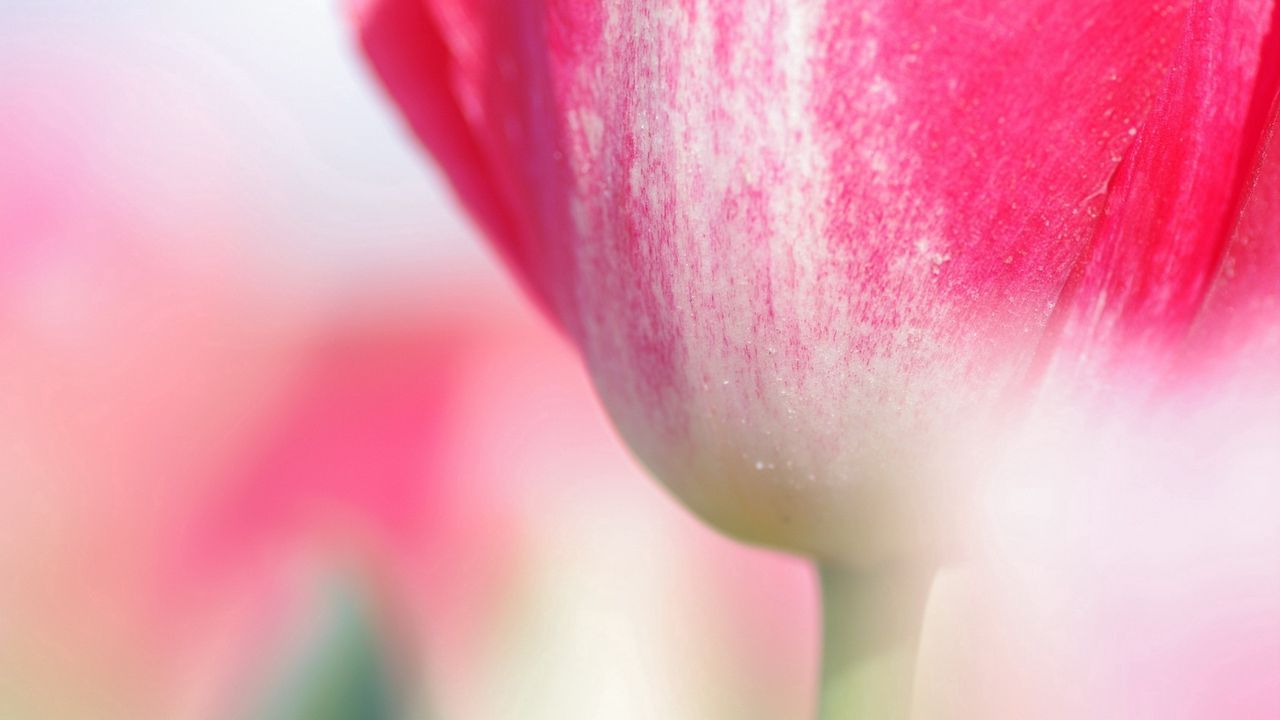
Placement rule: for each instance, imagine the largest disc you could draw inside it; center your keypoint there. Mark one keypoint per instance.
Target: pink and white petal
(806, 247)
(814, 244)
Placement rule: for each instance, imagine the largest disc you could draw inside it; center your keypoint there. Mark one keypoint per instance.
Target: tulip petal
(1237, 332)
(806, 247)
(467, 76)
(406, 49)
(1135, 291)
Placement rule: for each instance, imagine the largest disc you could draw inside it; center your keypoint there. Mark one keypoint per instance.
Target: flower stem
(871, 627)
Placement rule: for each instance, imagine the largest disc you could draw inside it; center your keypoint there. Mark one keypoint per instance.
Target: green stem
(871, 627)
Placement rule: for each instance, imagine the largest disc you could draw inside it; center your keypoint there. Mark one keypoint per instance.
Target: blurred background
(278, 437)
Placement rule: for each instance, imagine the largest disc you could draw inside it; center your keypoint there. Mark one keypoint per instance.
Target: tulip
(824, 259)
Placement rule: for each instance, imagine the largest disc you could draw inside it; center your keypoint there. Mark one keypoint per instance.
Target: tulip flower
(821, 258)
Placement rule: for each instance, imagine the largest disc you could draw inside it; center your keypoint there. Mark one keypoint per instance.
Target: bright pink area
(468, 77)
(1238, 330)
(1007, 122)
(1135, 291)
